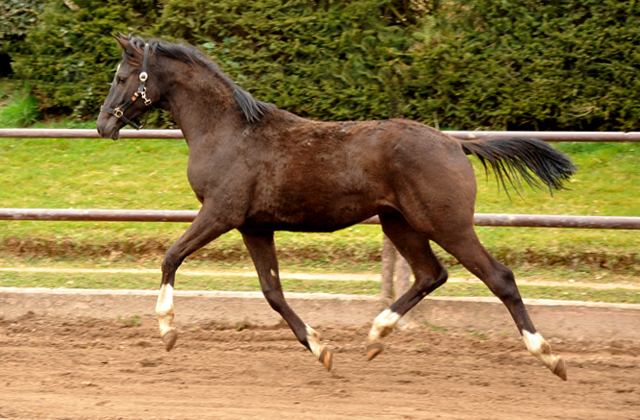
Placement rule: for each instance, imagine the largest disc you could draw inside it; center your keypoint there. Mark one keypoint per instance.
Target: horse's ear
(125, 42)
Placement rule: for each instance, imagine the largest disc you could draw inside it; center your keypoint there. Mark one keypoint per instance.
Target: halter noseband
(118, 112)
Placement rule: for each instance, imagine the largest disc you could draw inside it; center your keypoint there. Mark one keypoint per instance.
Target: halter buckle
(118, 113)
(147, 101)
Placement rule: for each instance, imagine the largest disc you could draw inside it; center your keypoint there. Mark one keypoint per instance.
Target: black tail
(516, 158)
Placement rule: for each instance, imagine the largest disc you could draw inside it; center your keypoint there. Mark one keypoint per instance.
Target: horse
(259, 169)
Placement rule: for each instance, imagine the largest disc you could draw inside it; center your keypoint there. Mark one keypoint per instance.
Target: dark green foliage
(71, 55)
(17, 17)
(333, 62)
(570, 64)
(465, 64)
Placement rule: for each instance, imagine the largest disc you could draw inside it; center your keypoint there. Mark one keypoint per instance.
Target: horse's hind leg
(465, 246)
(205, 228)
(428, 271)
(263, 252)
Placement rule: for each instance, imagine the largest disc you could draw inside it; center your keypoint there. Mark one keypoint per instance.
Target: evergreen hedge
(513, 64)
(524, 64)
(71, 57)
(17, 17)
(332, 62)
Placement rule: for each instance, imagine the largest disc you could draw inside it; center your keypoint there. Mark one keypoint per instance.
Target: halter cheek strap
(118, 112)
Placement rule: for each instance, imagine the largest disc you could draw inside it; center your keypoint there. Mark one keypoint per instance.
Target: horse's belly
(300, 219)
(329, 200)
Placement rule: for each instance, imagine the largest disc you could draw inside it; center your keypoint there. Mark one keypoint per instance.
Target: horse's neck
(201, 103)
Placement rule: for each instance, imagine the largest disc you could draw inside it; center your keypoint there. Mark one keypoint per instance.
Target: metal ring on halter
(143, 76)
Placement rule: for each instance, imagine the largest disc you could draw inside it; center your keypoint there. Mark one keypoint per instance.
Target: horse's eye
(122, 80)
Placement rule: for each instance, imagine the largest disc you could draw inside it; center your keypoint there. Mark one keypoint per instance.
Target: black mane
(253, 109)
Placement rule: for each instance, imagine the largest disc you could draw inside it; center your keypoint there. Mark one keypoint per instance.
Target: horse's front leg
(205, 228)
(263, 252)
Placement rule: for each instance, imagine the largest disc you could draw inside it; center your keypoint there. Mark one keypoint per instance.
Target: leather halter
(118, 112)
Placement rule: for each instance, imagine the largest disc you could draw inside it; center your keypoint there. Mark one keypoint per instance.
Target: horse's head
(130, 93)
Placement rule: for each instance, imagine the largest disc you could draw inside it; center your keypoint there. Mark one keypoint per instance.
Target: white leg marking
(383, 325)
(322, 353)
(313, 338)
(164, 309)
(539, 348)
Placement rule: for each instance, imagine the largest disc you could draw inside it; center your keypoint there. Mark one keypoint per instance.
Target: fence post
(388, 263)
(392, 262)
(403, 276)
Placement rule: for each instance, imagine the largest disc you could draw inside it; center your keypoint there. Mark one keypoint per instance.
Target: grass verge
(144, 281)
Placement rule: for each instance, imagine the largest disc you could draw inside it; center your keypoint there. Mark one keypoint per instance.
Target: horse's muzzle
(108, 127)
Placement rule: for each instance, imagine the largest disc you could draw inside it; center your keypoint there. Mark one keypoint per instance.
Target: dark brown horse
(259, 169)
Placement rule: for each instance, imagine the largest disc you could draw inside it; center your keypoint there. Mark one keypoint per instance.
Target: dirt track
(70, 369)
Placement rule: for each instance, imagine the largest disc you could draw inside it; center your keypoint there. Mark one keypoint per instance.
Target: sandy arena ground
(83, 369)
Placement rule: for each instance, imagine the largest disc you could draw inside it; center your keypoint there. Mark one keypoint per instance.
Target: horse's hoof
(169, 339)
(373, 350)
(326, 358)
(560, 369)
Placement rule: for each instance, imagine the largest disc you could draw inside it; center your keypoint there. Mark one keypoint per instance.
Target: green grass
(151, 174)
(587, 294)
(137, 174)
(530, 273)
(151, 282)
(95, 173)
(142, 281)
(19, 110)
(606, 184)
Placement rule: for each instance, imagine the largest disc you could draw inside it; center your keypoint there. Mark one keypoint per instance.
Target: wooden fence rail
(553, 136)
(480, 219)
